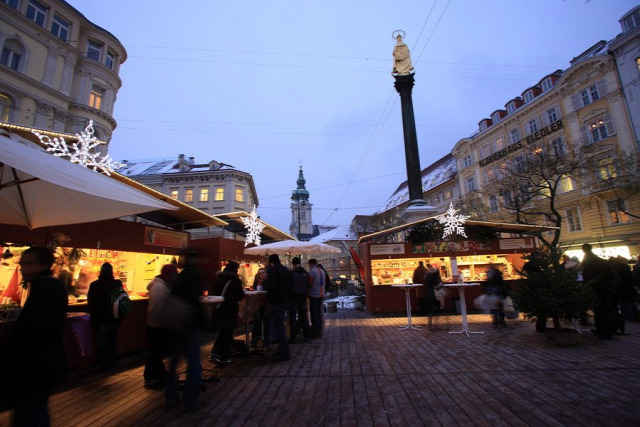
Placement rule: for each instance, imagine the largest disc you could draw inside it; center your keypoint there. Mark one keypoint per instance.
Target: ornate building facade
(577, 122)
(213, 187)
(301, 220)
(58, 70)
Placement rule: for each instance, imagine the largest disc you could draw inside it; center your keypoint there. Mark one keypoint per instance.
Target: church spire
(301, 193)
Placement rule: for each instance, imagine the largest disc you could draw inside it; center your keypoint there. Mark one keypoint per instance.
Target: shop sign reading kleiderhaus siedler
(530, 139)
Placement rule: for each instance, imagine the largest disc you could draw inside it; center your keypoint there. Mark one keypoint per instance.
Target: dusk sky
(268, 85)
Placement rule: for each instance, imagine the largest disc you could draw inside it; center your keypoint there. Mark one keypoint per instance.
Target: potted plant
(551, 292)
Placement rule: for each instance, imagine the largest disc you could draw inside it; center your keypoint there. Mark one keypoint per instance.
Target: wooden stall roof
(184, 218)
(235, 225)
(496, 226)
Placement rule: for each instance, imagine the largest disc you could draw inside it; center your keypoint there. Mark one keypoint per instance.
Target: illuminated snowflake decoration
(452, 223)
(81, 152)
(254, 227)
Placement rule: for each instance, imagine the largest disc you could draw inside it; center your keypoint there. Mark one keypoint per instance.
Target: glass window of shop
(472, 267)
(134, 269)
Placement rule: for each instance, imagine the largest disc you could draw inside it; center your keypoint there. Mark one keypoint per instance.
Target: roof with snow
(343, 232)
(160, 166)
(434, 175)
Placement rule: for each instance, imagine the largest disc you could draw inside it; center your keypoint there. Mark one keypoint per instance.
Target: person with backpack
(298, 305)
(100, 303)
(229, 286)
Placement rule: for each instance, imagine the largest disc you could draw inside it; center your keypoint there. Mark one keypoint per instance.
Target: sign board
(523, 243)
(389, 249)
(166, 238)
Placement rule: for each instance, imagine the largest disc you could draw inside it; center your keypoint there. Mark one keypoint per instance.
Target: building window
(547, 84)
(239, 195)
(495, 117)
(188, 195)
(60, 28)
(532, 126)
(470, 184)
(448, 194)
(566, 184)
(589, 95)
(573, 219)
(497, 145)
(632, 21)
(12, 53)
(528, 96)
(219, 194)
(489, 176)
(483, 152)
(13, 4)
(436, 199)
(5, 107)
(511, 107)
(94, 51)
(36, 12)
(96, 96)
(552, 115)
(514, 135)
(174, 194)
(638, 64)
(557, 144)
(616, 209)
(303, 216)
(109, 60)
(483, 126)
(493, 204)
(598, 129)
(204, 194)
(467, 160)
(606, 169)
(519, 163)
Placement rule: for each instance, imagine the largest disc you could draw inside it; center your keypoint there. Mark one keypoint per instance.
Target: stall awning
(495, 226)
(168, 212)
(235, 225)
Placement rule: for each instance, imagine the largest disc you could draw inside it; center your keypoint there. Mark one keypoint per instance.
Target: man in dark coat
(36, 356)
(418, 277)
(188, 286)
(298, 307)
(229, 286)
(599, 274)
(278, 287)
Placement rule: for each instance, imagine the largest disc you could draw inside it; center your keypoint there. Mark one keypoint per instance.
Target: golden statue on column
(402, 65)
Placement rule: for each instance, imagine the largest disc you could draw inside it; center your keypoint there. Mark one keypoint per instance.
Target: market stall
(386, 264)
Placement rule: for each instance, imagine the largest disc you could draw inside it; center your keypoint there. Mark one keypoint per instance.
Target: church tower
(301, 223)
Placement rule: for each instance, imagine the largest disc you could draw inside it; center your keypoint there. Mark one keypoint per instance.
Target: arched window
(5, 107)
(12, 54)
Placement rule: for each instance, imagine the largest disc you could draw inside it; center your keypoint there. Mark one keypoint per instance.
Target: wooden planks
(366, 372)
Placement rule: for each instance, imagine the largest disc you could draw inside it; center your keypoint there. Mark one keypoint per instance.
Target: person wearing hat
(229, 286)
(278, 287)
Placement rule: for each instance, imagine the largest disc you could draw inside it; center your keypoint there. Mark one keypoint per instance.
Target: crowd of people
(294, 294)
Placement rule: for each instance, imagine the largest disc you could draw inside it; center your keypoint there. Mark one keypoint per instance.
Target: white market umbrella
(38, 189)
(285, 247)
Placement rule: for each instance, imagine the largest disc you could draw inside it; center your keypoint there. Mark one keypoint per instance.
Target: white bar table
(463, 306)
(407, 287)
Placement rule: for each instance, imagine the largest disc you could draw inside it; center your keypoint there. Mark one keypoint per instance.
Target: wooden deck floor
(366, 372)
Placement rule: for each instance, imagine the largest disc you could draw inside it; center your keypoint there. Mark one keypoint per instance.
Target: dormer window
(511, 107)
(632, 21)
(528, 96)
(547, 84)
(495, 117)
(483, 125)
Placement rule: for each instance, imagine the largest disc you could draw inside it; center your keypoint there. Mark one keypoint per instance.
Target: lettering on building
(547, 130)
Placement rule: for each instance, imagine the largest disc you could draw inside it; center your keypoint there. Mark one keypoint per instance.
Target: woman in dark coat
(102, 316)
(229, 286)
